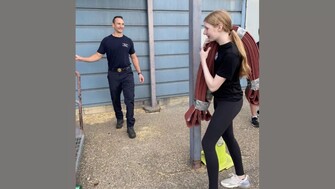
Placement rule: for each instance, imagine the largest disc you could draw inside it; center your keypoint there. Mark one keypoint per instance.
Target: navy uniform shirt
(117, 50)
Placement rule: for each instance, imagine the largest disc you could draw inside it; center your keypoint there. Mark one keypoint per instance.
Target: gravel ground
(158, 158)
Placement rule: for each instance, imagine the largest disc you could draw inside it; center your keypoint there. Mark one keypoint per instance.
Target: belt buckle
(119, 70)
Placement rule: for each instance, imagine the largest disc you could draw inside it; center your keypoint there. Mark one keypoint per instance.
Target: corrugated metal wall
(171, 47)
(171, 32)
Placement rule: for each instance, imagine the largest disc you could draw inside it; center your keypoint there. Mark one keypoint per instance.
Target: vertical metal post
(194, 61)
(154, 107)
(243, 12)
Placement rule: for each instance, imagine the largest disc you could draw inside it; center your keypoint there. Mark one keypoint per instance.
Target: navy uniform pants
(122, 82)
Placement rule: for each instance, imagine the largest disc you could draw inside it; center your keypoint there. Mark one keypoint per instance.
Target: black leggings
(221, 124)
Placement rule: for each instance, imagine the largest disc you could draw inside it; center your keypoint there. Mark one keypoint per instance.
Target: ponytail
(245, 69)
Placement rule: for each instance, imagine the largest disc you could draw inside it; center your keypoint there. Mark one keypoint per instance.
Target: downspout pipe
(154, 106)
(243, 12)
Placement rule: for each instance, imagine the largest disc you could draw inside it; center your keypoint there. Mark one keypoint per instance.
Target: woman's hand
(204, 54)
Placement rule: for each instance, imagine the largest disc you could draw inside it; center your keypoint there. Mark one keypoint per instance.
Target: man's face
(118, 25)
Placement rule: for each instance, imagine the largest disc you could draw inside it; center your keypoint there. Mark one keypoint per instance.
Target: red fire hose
(252, 51)
(199, 110)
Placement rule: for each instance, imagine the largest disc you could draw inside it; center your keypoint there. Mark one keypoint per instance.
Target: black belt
(120, 69)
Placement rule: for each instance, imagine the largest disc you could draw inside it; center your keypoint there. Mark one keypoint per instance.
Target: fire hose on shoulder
(199, 110)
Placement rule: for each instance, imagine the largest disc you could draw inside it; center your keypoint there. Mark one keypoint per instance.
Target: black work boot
(131, 132)
(119, 123)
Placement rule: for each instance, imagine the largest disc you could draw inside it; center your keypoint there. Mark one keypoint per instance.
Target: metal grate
(79, 147)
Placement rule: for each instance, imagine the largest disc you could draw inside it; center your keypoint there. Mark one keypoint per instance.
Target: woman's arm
(213, 84)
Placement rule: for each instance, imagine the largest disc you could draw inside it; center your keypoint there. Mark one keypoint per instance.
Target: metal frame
(194, 61)
(79, 131)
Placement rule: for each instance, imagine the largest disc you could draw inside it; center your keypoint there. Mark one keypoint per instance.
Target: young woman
(229, 66)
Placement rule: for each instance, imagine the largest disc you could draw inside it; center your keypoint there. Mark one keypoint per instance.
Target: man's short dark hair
(115, 17)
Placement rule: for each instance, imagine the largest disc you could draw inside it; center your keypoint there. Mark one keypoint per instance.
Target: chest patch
(125, 45)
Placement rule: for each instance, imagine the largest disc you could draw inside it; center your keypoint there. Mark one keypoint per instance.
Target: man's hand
(78, 58)
(140, 78)
(93, 58)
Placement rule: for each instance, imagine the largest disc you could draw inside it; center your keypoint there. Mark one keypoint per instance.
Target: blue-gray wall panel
(171, 5)
(243, 82)
(171, 47)
(177, 88)
(141, 48)
(94, 67)
(142, 91)
(235, 16)
(87, 49)
(105, 17)
(115, 4)
(172, 61)
(171, 18)
(102, 96)
(102, 67)
(92, 33)
(95, 97)
(171, 33)
(171, 75)
(229, 5)
(98, 81)
(97, 33)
